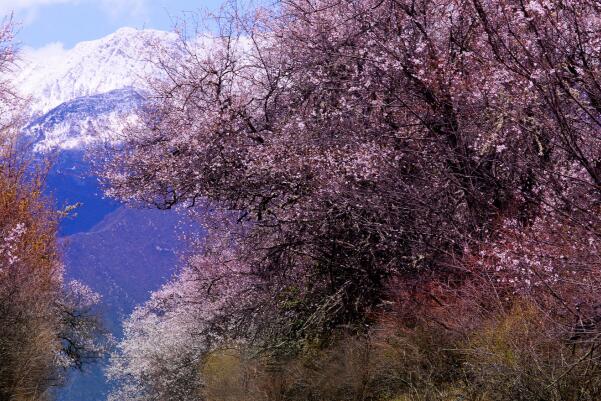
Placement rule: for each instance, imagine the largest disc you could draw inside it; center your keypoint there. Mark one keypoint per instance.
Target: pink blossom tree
(359, 141)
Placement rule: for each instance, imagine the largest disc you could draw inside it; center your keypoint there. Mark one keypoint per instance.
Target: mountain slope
(127, 255)
(121, 253)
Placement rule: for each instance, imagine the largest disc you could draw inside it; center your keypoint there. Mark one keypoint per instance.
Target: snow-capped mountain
(83, 121)
(122, 59)
(86, 94)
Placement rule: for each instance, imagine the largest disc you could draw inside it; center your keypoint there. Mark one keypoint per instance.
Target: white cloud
(50, 53)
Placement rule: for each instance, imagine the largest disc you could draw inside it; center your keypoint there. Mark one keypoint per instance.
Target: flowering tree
(46, 324)
(364, 140)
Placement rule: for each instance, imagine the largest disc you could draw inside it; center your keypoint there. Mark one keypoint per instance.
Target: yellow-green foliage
(512, 339)
(29, 284)
(517, 353)
(225, 374)
(525, 355)
(380, 366)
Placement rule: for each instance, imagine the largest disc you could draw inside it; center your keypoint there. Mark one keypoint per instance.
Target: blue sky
(72, 21)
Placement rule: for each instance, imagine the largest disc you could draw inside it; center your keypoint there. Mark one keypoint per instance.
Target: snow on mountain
(85, 120)
(54, 75)
(86, 94)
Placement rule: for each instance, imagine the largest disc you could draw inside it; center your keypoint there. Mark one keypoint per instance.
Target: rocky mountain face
(84, 121)
(79, 100)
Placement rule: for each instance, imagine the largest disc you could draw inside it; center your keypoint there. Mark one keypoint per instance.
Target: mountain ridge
(121, 59)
